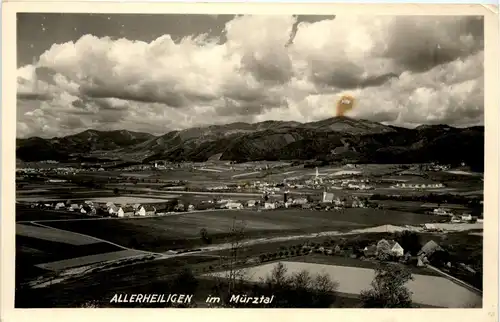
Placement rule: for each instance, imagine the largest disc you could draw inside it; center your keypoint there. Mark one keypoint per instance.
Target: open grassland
(427, 290)
(183, 231)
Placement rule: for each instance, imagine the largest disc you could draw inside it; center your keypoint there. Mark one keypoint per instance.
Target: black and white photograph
(249, 160)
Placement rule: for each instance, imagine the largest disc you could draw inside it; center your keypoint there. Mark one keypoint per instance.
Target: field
(427, 290)
(182, 231)
(88, 260)
(130, 200)
(32, 251)
(55, 235)
(147, 277)
(24, 213)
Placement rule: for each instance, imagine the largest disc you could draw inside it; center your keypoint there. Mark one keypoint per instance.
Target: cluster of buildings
(108, 209)
(455, 218)
(417, 186)
(437, 167)
(58, 170)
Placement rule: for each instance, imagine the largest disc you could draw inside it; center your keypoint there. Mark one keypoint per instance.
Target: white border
(489, 312)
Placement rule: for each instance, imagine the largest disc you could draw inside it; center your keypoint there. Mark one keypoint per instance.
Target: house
(429, 248)
(190, 208)
(357, 204)
(60, 205)
(74, 207)
(234, 205)
(83, 211)
(327, 197)
(300, 201)
(338, 203)
(150, 210)
(441, 212)
(390, 247)
(370, 251)
(431, 227)
(113, 210)
(466, 217)
(270, 205)
(140, 212)
(120, 213)
(128, 211)
(251, 203)
(136, 206)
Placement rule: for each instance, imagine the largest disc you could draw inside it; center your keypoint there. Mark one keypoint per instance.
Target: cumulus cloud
(401, 70)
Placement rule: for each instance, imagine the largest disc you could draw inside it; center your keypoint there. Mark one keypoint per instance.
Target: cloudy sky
(156, 73)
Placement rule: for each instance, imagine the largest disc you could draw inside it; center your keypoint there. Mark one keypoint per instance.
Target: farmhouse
(60, 205)
(140, 212)
(442, 212)
(370, 251)
(300, 201)
(113, 210)
(431, 227)
(150, 210)
(466, 217)
(390, 247)
(429, 248)
(251, 203)
(120, 213)
(190, 208)
(74, 207)
(234, 205)
(270, 205)
(356, 203)
(327, 197)
(128, 211)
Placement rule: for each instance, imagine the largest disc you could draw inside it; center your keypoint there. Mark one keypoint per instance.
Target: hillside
(335, 139)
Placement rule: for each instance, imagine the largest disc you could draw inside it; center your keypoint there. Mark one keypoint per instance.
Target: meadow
(183, 231)
(89, 259)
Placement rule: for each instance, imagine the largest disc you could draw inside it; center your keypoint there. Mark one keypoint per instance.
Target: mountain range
(337, 139)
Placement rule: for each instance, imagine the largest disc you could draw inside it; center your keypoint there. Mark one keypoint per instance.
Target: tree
(233, 279)
(410, 241)
(184, 282)
(204, 236)
(388, 288)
